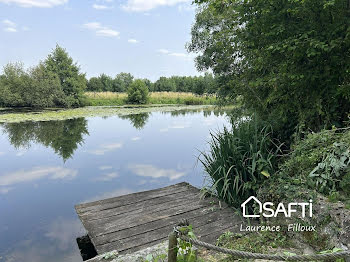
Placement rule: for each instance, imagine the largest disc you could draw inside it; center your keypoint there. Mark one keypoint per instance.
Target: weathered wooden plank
(111, 224)
(197, 216)
(141, 206)
(132, 198)
(136, 221)
(200, 225)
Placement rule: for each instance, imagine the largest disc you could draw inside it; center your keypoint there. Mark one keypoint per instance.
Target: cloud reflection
(107, 177)
(56, 244)
(35, 174)
(155, 172)
(106, 148)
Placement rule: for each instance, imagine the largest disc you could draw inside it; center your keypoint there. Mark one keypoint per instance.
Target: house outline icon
(245, 210)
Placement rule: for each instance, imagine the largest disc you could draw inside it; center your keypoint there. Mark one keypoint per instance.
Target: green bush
(32, 88)
(56, 82)
(319, 162)
(138, 93)
(328, 174)
(240, 159)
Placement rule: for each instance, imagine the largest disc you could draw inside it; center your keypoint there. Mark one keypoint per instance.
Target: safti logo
(267, 209)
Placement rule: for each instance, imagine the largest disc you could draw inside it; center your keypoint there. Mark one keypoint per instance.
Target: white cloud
(146, 5)
(105, 167)
(107, 32)
(101, 30)
(155, 172)
(8, 23)
(176, 54)
(101, 7)
(35, 174)
(133, 41)
(2, 153)
(163, 51)
(107, 177)
(11, 26)
(93, 26)
(106, 148)
(35, 3)
(179, 54)
(136, 138)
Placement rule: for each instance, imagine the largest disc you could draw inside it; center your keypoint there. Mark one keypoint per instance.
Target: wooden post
(172, 248)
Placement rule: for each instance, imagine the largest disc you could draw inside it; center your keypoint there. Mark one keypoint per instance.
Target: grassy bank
(112, 99)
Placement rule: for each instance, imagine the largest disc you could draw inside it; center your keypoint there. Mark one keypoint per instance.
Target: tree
(30, 88)
(107, 82)
(289, 60)
(138, 92)
(95, 84)
(72, 81)
(164, 84)
(122, 82)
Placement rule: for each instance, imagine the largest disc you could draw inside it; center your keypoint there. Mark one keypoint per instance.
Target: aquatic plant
(240, 159)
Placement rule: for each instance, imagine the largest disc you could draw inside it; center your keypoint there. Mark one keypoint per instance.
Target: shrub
(33, 88)
(138, 93)
(328, 174)
(240, 159)
(320, 162)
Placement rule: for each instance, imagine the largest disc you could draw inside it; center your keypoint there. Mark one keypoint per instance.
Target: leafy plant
(240, 159)
(328, 174)
(138, 93)
(186, 252)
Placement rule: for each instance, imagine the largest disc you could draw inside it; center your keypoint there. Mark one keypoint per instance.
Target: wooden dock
(136, 221)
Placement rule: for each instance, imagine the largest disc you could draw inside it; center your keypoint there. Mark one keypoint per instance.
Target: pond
(47, 167)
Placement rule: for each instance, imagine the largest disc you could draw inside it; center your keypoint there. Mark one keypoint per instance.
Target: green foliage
(256, 242)
(32, 88)
(73, 82)
(240, 159)
(165, 84)
(185, 251)
(54, 83)
(122, 82)
(199, 85)
(328, 174)
(138, 93)
(288, 60)
(318, 161)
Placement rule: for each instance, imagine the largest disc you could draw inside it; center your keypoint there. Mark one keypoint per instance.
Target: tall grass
(240, 159)
(111, 98)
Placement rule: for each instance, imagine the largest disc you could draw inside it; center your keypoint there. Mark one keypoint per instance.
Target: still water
(48, 167)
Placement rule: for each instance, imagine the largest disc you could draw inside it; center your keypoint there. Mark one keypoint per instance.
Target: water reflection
(63, 137)
(103, 157)
(137, 120)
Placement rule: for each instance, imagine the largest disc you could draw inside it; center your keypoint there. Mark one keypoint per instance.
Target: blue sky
(144, 37)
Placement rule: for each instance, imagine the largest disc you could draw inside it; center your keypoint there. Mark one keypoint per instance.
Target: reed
(112, 98)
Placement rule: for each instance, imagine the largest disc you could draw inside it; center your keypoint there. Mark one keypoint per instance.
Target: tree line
(206, 84)
(58, 82)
